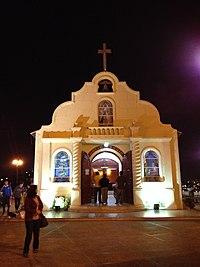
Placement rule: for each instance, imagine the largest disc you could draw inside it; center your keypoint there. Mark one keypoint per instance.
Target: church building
(107, 127)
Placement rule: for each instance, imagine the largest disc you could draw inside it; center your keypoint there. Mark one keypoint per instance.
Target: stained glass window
(105, 110)
(151, 165)
(62, 167)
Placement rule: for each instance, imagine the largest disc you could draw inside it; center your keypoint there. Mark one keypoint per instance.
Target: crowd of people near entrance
(101, 187)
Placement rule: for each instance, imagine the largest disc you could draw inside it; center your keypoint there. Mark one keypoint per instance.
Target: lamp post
(17, 163)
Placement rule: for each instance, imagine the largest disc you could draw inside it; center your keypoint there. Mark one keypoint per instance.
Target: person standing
(6, 191)
(33, 207)
(18, 193)
(104, 182)
(119, 188)
(97, 188)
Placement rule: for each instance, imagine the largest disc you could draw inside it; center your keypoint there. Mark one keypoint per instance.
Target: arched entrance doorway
(107, 162)
(111, 161)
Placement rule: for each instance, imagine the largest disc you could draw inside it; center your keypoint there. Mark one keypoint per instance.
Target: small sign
(87, 171)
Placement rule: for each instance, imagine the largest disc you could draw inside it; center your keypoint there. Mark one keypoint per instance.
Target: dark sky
(49, 49)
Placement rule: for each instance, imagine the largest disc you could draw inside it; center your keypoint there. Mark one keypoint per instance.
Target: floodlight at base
(57, 208)
(156, 206)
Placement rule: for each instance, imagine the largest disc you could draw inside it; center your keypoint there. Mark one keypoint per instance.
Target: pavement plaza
(145, 238)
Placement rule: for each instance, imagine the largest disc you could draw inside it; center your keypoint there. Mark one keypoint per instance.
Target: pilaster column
(76, 147)
(136, 163)
(75, 192)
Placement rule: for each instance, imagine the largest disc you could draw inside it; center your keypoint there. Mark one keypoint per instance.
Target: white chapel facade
(106, 126)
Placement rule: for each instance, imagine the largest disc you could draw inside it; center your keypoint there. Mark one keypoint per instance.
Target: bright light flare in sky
(196, 58)
(192, 57)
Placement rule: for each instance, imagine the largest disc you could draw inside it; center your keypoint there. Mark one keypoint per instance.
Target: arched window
(61, 167)
(151, 163)
(105, 111)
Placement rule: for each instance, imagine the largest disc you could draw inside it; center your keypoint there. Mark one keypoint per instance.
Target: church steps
(104, 209)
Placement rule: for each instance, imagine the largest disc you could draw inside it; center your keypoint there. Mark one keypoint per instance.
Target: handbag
(43, 221)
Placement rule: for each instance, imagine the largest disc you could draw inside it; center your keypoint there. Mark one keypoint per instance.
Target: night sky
(49, 50)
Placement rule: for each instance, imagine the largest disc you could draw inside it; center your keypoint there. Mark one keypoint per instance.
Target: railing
(104, 130)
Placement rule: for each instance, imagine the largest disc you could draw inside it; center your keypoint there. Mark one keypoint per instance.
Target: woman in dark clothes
(33, 208)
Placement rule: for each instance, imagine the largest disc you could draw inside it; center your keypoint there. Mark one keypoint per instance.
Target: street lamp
(17, 163)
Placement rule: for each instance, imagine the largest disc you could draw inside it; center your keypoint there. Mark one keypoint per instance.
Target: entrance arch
(112, 160)
(109, 162)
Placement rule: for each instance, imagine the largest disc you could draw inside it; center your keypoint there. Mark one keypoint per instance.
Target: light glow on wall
(157, 193)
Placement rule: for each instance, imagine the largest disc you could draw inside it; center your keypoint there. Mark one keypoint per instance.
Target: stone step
(105, 208)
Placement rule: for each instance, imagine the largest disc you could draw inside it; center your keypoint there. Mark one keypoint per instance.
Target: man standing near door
(97, 188)
(104, 182)
(120, 184)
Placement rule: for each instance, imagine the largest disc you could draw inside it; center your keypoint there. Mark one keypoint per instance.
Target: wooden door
(127, 170)
(85, 179)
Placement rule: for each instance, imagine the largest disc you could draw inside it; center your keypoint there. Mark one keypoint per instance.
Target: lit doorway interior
(109, 163)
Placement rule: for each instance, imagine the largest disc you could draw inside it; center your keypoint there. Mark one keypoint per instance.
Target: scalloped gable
(82, 110)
